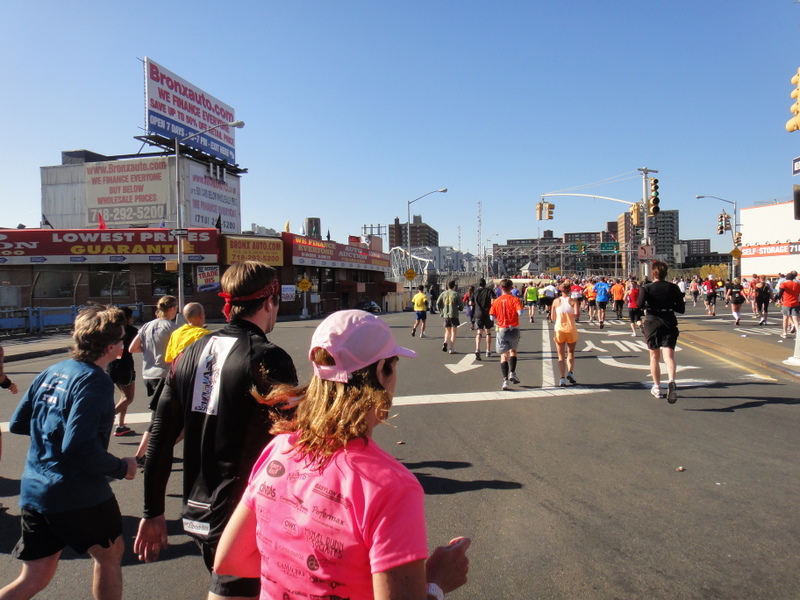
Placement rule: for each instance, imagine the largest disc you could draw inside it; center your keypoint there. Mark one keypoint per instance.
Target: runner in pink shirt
(328, 513)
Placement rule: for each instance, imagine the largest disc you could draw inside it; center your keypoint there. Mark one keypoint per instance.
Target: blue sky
(354, 108)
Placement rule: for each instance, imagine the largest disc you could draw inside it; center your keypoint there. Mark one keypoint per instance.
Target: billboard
(127, 191)
(211, 199)
(104, 246)
(177, 109)
(241, 248)
(318, 253)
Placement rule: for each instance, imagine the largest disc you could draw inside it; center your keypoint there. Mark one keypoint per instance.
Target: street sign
(179, 232)
(580, 266)
(573, 247)
(608, 247)
(410, 274)
(653, 230)
(304, 285)
(796, 166)
(736, 253)
(646, 252)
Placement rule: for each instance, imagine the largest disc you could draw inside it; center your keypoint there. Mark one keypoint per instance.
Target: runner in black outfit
(662, 299)
(208, 396)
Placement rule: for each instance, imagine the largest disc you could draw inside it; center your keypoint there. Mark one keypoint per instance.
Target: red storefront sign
(104, 246)
(320, 253)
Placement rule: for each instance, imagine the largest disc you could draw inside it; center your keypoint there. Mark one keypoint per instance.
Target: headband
(271, 289)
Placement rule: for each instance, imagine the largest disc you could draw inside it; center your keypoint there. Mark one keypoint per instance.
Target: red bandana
(271, 289)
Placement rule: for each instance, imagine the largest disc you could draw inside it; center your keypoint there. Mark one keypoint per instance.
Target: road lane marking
(548, 358)
(518, 394)
(613, 362)
(465, 364)
(730, 362)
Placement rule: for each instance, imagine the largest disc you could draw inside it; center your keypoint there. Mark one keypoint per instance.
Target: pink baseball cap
(355, 339)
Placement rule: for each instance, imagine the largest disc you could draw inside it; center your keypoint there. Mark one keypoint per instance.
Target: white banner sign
(127, 192)
(213, 199)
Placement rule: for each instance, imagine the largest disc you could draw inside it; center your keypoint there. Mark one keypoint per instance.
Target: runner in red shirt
(789, 294)
(505, 312)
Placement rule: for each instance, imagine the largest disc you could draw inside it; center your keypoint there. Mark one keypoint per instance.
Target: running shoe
(736, 324)
(672, 392)
(655, 391)
(562, 383)
(513, 378)
(422, 335)
(413, 332)
(444, 347)
(478, 355)
(506, 386)
(453, 351)
(633, 334)
(488, 354)
(122, 430)
(571, 378)
(601, 324)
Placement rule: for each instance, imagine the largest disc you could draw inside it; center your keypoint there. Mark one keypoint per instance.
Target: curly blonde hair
(330, 414)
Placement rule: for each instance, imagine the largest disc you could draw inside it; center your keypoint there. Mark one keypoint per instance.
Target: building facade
(421, 233)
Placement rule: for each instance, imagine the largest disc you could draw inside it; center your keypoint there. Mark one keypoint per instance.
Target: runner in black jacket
(208, 396)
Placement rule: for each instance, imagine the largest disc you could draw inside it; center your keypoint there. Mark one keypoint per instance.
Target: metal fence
(40, 319)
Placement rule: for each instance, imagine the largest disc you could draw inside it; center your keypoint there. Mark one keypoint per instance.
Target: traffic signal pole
(646, 241)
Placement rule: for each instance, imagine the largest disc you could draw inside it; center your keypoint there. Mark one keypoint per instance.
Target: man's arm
(167, 425)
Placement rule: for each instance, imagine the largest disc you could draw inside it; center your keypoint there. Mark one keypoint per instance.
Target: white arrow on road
(465, 364)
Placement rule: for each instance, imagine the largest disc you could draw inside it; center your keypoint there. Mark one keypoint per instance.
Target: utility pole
(646, 241)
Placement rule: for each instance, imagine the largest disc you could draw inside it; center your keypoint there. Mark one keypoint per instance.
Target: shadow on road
(434, 485)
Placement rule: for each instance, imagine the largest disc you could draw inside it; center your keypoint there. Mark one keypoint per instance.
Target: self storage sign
(69, 246)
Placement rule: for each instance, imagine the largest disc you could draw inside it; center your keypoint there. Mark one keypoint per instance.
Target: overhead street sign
(608, 247)
(796, 166)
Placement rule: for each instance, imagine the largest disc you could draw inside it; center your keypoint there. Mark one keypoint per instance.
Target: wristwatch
(435, 591)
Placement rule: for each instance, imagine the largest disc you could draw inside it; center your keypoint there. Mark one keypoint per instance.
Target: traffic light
(581, 247)
(653, 202)
(793, 124)
(616, 248)
(727, 222)
(539, 210)
(737, 238)
(721, 223)
(636, 214)
(549, 206)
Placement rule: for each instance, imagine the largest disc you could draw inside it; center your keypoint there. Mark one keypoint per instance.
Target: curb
(697, 340)
(34, 354)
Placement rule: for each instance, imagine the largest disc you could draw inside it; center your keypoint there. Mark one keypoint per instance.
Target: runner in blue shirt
(603, 291)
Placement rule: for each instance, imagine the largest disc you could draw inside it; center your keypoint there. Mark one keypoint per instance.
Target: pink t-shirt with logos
(323, 534)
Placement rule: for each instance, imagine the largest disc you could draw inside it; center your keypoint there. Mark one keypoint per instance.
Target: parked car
(370, 306)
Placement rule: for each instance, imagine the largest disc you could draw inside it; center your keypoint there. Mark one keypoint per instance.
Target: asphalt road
(566, 492)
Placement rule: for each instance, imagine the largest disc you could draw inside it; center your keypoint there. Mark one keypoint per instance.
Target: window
(109, 282)
(165, 283)
(54, 282)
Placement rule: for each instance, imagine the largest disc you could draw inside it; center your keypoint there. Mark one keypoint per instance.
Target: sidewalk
(718, 337)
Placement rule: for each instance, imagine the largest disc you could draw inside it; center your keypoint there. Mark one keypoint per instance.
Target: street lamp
(736, 224)
(179, 201)
(408, 227)
(486, 254)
